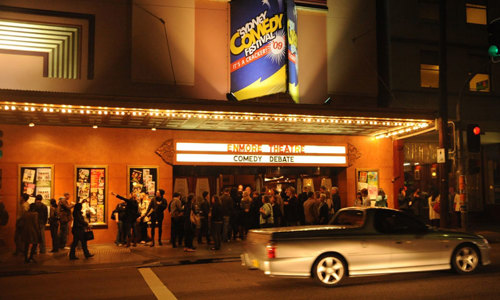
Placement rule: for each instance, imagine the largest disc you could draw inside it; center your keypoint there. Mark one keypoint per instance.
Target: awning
(59, 109)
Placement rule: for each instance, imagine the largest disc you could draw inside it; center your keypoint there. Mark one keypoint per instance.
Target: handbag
(195, 219)
(437, 207)
(89, 235)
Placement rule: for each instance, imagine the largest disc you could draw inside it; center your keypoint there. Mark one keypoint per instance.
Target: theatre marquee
(240, 154)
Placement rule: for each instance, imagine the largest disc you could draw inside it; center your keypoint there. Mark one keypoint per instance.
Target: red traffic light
(476, 130)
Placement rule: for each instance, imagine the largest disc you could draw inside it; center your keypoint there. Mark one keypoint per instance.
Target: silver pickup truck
(362, 241)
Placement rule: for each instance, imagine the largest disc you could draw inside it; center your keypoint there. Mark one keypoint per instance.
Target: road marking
(155, 284)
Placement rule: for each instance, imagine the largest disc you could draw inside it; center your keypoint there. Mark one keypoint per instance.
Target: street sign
(440, 156)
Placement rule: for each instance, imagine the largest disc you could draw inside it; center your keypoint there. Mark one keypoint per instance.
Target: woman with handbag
(78, 230)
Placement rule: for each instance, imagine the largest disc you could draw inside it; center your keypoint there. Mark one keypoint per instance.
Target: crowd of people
(33, 217)
(211, 219)
(214, 219)
(426, 205)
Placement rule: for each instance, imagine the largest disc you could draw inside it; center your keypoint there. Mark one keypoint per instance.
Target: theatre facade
(147, 99)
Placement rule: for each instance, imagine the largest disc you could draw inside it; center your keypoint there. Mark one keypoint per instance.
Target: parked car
(362, 241)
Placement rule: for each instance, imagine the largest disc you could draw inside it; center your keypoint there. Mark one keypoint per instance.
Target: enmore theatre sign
(238, 154)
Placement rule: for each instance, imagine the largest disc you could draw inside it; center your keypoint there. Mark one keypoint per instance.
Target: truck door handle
(399, 242)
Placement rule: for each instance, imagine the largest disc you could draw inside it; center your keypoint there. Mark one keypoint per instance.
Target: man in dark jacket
(42, 211)
(204, 212)
(155, 211)
(216, 222)
(227, 210)
(131, 215)
(291, 207)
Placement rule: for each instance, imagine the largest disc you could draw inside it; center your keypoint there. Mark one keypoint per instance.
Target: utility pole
(443, 116)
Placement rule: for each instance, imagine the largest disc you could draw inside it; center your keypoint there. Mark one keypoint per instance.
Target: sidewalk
(112, 256)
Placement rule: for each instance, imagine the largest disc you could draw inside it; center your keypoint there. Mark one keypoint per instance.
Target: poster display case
(91, 186)
(36, 180)
(368, 179)
(143, 179)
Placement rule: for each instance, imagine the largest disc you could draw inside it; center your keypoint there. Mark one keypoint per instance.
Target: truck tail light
(271, 251)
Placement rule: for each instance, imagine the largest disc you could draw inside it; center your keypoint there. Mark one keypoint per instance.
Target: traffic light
(494, 40)
(473, 138)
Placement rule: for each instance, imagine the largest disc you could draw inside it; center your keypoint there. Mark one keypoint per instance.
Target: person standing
(454, 205)
(266, 213)
(276, 210)
(23, 208)
(30, 234)
(143, 219)
(416, 202)
(156, 210)
(403, 200)
(204, 212)
(254, 210)
(216, 222)
(54, 225)
(246, 203)
(131, 215)
(323, 215)
(366, 200)
(310, 209)
(41, 209)
(227, 210)
(336, 203)
(434, 214)
(78, 231)
(119, 215)
(300, 207)
(290, 207)
(65, 218)
(189, 227)
(381, 199)
(177, 211)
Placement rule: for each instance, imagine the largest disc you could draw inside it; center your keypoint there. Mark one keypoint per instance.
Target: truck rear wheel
(329, 270)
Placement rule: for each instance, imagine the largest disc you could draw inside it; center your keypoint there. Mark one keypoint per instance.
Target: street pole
(443, 116)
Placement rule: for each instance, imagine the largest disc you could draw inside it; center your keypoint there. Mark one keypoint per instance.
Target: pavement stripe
(155, 284)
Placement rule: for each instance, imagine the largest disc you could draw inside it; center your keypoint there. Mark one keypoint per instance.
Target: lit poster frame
(36, 179)
(369, 179)
(140, 177)
(91, 183)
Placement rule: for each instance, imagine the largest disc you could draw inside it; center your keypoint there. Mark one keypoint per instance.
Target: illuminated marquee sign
(259, 154)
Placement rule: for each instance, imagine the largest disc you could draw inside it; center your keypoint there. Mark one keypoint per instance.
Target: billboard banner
(258, 48)
(293, 64)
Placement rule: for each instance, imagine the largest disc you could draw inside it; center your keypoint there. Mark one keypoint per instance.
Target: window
(475, 13)
(429, 76)
(393, 222)
(480, 83)
(428, 10)
(349, 217)
(429, 69)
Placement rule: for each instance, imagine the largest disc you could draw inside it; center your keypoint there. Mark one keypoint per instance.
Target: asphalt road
(231, 281)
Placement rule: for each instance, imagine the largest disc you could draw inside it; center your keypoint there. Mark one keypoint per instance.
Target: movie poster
(29, 175)
(43, 175)
(44, 191)
(258, 48)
